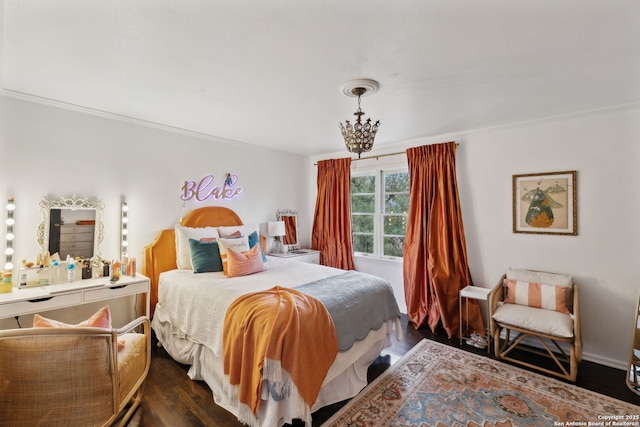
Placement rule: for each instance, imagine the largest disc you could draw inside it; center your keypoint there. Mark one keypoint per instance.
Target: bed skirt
(346, 377)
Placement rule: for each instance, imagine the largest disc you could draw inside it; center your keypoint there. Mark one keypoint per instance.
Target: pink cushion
(538, 295)
(238, 244)
(244, 263)
(101, 319)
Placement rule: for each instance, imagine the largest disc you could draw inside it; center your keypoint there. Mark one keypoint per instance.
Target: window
(379, 206)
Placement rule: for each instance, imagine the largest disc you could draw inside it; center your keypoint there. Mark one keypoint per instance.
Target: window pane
(363, 203)
(363, 243)
(363, 184)
(395, 225)
(362, 223)
(396, 182)
(396, 203)
(393, 246)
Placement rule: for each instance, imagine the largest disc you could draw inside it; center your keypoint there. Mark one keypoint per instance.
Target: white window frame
(378, 216)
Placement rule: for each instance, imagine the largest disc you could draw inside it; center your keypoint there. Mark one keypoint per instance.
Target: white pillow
(245, 230)
(555, 279)
(183, 251)
(535, 319)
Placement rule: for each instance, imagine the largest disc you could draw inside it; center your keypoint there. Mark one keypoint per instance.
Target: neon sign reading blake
(205, 189)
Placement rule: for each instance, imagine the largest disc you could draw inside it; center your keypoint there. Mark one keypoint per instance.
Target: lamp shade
(276, 228)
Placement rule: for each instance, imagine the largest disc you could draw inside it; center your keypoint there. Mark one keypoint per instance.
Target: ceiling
(269, 73)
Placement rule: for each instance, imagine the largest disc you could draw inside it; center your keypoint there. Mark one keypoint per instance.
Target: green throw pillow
(205, 256)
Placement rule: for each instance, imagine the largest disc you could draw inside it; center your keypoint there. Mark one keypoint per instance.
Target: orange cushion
(538, 295)
(239, 244)
(244, 263)
(101, 319)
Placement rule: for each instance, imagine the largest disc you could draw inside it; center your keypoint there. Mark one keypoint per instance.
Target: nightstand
(477, 293)
(303, 255)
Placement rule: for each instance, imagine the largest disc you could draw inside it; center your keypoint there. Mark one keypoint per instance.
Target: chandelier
(358, 137)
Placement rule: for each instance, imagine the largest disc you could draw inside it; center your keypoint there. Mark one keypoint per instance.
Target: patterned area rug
(442, 386)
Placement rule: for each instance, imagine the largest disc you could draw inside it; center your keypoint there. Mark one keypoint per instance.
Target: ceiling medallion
(358, 138)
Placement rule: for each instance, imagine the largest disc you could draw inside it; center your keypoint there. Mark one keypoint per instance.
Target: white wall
(51, 151)
(45, 150)
(604, 149)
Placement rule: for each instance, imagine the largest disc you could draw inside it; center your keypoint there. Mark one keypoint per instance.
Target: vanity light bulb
(8, 251)
(125, 243)
(125, 231)
(8, 266)
(11, 206)
(125, 208)
(125, 220)
(9, 236)
(11, 221)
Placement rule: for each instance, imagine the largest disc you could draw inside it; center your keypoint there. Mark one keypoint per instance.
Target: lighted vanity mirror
(71, 226)
(290, 218)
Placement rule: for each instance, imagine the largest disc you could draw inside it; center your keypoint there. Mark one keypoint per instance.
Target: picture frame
(545, 203)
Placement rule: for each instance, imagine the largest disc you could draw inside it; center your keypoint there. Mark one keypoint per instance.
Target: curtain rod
(379, 155)
(373, 157)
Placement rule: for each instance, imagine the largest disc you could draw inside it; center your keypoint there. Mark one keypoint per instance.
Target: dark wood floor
(171, 399)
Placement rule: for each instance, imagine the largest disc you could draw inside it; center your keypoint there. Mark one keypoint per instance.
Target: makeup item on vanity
(116, 271)
(71, 270)
(131, 267)
(86, 269)
(6, 284)
(123, 266)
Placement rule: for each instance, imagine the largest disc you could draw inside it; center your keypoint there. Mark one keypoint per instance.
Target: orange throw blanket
(282, 336)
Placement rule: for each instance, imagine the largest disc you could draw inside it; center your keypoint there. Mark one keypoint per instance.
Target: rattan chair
(73, 376)
(540, 331)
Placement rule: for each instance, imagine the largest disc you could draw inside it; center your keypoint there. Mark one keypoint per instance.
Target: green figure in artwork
(540, 214)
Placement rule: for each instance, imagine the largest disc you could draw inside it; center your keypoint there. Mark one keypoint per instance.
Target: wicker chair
(73, 376)
(539, 325)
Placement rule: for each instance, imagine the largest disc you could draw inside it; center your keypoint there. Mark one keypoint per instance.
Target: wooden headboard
(160, 255)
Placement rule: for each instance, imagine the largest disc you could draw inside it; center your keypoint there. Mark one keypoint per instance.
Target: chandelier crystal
(358, 137)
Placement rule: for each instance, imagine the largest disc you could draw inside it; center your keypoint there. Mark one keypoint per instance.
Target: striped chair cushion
(538, 295)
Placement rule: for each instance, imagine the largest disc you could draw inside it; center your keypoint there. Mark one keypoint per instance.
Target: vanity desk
(39, 299)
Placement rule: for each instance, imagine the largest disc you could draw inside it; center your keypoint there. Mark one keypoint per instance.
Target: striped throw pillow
(538, 295)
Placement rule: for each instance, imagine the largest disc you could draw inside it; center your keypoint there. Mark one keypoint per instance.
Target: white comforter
(197, 303)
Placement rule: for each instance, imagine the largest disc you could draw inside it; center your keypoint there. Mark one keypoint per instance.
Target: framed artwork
(545, 203)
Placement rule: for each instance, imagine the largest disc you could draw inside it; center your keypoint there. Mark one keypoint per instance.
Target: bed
(190, 314)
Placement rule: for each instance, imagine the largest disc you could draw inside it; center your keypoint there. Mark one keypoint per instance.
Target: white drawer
(40, 305)
(76, 245)
(309, 258)
(76, 229)
(116, 291)
(79, 237)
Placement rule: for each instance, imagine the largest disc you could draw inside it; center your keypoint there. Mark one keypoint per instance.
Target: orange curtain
(332, 221)
(435, 253)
